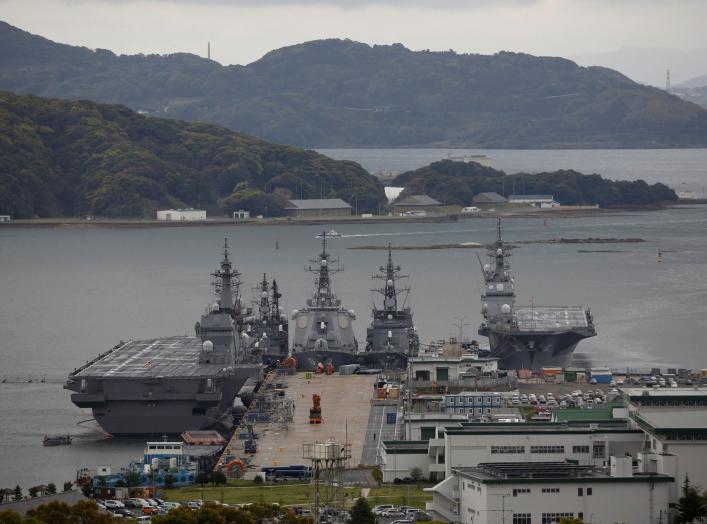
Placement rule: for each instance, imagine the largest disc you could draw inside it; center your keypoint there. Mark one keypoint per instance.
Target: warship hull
(385, 360)
(169, 396)
(308, 360)
(534, 350)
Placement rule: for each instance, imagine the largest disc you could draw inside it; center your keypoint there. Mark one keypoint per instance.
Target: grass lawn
(244, 492)
(401, 495)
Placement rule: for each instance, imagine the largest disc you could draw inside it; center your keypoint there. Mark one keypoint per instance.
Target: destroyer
(269, 326)
(173, 384)
(526, 336)
(323, 328)
(392, 336)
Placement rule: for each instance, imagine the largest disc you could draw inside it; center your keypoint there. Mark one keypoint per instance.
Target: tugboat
(323, 328)
(269, 326)
(173, 384)
(392, 336)
(526, 337)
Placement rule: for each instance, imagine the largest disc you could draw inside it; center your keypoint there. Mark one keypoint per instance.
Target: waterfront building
(417, 204)
(489, 198)
(5, 218)
(545, 492)
(316, 207)
(539, 201)
(181, 215)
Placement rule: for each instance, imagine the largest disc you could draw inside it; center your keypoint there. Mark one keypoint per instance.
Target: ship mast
(226, 284)
(390, 273)
(323, 295)
(275, 302)
(499, 253)
(264, 300)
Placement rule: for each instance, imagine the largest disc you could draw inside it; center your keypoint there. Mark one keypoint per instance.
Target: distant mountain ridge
(68, 158)
(340, 93)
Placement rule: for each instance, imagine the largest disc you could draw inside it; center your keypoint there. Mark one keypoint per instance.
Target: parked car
(113, 504)
(378, 510)
(149, 510)
(133, 503)
(123, 511)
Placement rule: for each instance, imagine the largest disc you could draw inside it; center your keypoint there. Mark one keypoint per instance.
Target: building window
(547, 449)
(507, 449)
(554, 518)
(551, 490)
(580, 449)
(580, 492)
(599, 450)
(521, 518)
(589, 491)
(519, 491)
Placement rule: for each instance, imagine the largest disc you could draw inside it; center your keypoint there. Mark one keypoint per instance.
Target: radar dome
(390, 282)
(323, 262)
(264, 294)
(499, 251)
(505, 309)
(390, 317)
(487, 267)
(208, 346)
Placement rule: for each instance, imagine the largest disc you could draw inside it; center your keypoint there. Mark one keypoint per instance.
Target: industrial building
(181, 215)
(538, 201)
(489, 198)
(316, 207)
(545, 492)
(5, 218)
(417, 204)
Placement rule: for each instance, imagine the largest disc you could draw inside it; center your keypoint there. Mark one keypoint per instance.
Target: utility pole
(460, 324)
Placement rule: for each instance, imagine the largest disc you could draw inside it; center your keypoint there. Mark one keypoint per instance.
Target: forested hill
(457, 182)
(344, 93)
(64, 158)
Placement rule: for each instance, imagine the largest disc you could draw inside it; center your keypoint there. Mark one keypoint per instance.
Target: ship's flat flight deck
(158, 357)
(550, 318)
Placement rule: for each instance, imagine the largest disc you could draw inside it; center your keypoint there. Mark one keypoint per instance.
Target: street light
(460, 324)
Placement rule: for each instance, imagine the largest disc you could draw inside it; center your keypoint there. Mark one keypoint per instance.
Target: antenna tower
(328, 462)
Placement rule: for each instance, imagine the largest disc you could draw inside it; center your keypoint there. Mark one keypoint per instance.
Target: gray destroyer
(173, 384)
(269, 326)
(323, 330)
(526, 337)
(392, 335)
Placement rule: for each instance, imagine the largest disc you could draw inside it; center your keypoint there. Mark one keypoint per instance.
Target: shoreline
(136, 223)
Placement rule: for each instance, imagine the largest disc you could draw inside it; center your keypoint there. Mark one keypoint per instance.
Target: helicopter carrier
(392, 337)
(323, 330)
(172, 384)
(526, 337)
(269, 326)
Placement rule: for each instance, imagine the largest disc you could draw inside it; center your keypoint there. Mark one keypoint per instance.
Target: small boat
(330, 234)
(56, 440)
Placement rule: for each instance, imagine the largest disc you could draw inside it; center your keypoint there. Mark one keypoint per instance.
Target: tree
(202, 478)
(132, 479)
(87, 488)
(51, 488)
(18, 493)
(416, 474)
(377, 475)
(691, 505)
(218, 478)
(169, 481)
(361, 513)
(68, 485)
(120, 483)
(32, 491)
(10, 517)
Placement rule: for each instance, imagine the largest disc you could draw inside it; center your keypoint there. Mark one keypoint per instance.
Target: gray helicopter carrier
(172, 384)
(526, 337)
(392, 337)
(323, 328)
(269, 326)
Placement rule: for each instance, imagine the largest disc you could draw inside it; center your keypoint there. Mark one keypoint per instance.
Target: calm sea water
(68, 294)
(681, 169)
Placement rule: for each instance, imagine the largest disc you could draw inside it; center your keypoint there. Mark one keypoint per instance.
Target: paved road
(378, 430)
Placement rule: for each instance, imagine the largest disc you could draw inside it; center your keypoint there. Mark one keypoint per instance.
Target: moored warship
(526, 337)
(173, 384)
(269, 326)
(392, 336)
(323, 331)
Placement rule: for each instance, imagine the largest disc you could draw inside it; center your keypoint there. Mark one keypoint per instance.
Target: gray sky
(241, 31)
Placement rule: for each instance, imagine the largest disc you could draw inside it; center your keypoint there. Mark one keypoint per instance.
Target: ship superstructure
(269, 326)
(526, 337)
(172, 384)
(323, 331)
(392, 336)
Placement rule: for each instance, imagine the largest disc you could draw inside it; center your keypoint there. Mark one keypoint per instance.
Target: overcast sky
(241, 31)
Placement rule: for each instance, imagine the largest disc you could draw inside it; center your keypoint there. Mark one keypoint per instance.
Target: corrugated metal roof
(418, 200)
(530, 197)
(489, 197)
(318, 203)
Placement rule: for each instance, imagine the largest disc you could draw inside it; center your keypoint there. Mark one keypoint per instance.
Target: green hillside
(457, 182)
(63, 158)
(343, 93)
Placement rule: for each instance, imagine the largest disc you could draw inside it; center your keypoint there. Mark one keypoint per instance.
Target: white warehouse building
(545, 492)
(181, 215)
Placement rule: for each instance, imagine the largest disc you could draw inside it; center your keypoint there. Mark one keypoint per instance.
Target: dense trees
(457, 182)
(79, 158)
(345, 93)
